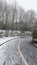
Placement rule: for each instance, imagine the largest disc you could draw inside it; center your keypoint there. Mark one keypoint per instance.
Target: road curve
(9, 54)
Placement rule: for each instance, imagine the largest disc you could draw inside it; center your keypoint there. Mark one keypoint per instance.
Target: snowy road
(9, 54)
(29, 51)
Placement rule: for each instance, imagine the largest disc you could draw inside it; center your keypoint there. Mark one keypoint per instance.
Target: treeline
(13, 17)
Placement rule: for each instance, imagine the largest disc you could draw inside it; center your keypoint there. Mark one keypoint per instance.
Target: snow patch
(4, 39)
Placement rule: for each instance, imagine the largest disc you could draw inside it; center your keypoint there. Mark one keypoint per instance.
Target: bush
(34, 34)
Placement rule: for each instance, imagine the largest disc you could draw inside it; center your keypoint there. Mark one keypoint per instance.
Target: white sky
(26, 4)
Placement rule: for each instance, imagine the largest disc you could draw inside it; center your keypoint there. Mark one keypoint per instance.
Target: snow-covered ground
(4, 39)
(9, 52)
(2, 48)
(35, 39)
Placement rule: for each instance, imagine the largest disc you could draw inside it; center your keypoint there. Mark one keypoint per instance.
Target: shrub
(34, 34)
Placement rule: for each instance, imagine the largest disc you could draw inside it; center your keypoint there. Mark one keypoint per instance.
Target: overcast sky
(26, 4)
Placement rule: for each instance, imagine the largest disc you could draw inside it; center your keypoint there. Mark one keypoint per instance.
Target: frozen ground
(2, 48)
(9, 54)
(4, 39)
